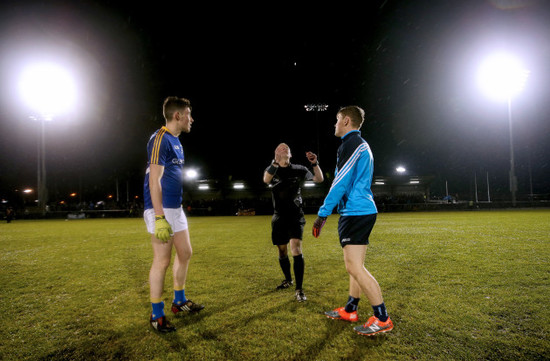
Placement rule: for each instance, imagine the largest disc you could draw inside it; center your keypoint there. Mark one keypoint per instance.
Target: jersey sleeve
(343, 178)
(157, 153)
(307, 174)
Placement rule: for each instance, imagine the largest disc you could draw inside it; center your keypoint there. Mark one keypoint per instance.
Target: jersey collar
(351, 131)
(168, 130)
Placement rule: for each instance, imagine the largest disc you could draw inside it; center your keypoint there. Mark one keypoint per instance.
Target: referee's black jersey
(286, 189)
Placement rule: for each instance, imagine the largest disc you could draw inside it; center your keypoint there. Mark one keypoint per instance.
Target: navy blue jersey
(166, 150)
(351, 188)
(286, 189)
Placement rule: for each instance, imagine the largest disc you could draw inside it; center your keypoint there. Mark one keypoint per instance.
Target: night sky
(249, 71)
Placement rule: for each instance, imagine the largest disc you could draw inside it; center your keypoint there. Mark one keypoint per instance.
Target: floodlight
(48, 89)
(191, 173)
(400, 169)
(501, 76)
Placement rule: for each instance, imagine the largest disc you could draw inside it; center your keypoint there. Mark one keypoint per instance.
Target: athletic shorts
(285, 228)
(175, 217)
(355, 229)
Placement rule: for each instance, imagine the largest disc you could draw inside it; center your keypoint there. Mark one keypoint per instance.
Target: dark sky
(249, 71)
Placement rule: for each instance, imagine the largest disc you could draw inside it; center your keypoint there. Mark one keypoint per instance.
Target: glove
(318, 225)
(162, 229)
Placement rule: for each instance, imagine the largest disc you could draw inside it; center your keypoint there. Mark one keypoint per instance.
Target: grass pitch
(458, 286)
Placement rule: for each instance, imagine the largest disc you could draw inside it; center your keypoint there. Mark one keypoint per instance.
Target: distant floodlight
(28, 190)
(316, 107)
(400, 169)
(501, 76)
(47, 89)
(191, 173)
(238, 186)
(414, 181)
(381, 183)
(309, 184)
(204, 187)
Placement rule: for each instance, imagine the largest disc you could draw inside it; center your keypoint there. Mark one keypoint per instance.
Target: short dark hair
(172, 105)
(355, 113)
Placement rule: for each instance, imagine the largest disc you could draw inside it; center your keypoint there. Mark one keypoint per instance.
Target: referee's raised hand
(312, 157)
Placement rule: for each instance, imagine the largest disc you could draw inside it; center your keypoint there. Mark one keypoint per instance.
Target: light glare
(502, 76)
(191, 173)
(47, 89)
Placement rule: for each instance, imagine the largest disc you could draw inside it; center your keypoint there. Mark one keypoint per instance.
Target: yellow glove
(162, 229)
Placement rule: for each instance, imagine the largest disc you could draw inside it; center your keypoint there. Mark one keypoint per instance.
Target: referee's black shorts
(283, 228)
(355, 229)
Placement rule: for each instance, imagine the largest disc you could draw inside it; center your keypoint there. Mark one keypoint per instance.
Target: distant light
(73, 194)
(501, 76)
(414, 181)
(191, 173)
(204, 187)
(316, 107)
(238, 186)
(400, 169)
(48, 89)
(28, 190)
(309, 184)
(379, 183)
(110, 196)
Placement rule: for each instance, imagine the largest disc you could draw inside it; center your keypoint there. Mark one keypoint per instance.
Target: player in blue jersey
(351, 193)
(164, 215)
(288, 220)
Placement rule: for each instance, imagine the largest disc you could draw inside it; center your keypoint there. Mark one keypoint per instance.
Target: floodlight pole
(488, 192)
(41, 176)
(513, 179)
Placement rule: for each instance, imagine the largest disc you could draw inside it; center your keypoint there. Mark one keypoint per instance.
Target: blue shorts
(355, 229)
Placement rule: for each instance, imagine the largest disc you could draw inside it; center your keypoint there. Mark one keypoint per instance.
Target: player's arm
(317, 172)
(155, 175)
(342, 180)
(163, 230)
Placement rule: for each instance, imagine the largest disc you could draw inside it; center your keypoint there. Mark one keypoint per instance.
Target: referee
(287, 224)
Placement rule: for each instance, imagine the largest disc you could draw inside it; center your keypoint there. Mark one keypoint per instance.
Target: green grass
(458, 285)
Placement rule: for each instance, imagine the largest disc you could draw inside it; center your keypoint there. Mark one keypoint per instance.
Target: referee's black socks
(285, 266)
(299, 266)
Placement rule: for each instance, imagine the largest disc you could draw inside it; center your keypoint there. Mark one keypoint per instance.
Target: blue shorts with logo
(355, 229)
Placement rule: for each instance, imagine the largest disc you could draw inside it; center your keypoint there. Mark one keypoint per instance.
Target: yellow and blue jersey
(166, 150)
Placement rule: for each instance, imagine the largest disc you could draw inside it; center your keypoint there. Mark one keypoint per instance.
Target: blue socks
(179, 297)
(158, 310)
(380, 312)
(352, 304)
